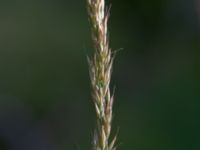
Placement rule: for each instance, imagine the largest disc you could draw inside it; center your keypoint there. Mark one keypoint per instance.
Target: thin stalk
(100, 68)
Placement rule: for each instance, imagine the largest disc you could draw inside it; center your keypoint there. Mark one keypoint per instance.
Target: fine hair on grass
(100, 69)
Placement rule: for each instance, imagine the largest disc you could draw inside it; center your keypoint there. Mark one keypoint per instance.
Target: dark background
(45, 101)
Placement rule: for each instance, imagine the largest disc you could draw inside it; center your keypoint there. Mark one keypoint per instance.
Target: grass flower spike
(100, 68)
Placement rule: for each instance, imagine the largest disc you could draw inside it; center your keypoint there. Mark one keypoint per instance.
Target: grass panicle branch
(100, 68)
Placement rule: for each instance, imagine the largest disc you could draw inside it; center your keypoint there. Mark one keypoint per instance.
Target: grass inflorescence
(100, 68)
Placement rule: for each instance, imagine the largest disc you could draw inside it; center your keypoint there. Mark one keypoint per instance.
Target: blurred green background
(45, 101)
